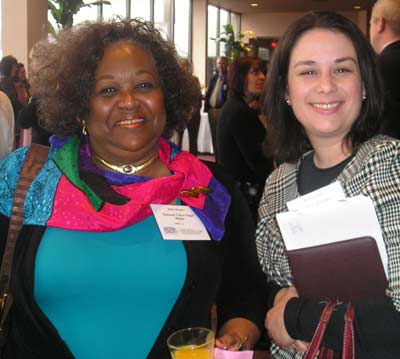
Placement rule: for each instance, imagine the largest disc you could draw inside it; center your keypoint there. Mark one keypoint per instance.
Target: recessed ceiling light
(357, 7)
(254, 4)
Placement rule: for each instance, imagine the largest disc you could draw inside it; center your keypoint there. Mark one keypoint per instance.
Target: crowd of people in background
(20, 123)
(325, 109)
(14, 84)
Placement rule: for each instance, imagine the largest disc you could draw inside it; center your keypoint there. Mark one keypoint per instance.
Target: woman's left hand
(237, 334)
(274, 322)
(230, 342)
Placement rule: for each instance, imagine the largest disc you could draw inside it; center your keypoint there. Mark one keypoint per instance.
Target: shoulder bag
(35, 159)
(315, 348)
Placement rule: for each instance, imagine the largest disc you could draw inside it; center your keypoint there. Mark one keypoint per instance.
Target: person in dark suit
(385, 39)
(216, 95)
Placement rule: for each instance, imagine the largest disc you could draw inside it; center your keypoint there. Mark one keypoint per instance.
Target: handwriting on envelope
(332, 221)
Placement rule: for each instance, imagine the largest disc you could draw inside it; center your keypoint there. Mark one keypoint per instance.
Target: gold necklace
(127, 169)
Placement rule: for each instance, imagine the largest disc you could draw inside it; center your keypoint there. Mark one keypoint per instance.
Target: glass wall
(182, 22)
(89, 12)
(141, 8)
(172, 17)
(224, 19)
(117, 8)
(162, 16)
(213, 25)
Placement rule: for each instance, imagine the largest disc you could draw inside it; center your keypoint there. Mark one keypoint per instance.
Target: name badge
(179, 223)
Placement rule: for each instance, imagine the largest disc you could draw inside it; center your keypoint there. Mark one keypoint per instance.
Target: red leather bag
(315, 348)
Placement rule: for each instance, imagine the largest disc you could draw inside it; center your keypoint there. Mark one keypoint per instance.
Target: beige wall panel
(275, 24)
(199, 39)
(23, 22)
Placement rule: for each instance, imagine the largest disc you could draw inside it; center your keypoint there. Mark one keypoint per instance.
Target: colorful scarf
(77, 206)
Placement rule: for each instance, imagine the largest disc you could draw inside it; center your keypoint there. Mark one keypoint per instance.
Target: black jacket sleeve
(243, 290)
(376, 325)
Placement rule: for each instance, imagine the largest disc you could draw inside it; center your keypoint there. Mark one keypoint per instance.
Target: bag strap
(34, 161)
(348, 334)
(315, 344)
(348, 348)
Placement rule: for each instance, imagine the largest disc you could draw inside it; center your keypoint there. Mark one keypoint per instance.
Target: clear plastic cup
(192, 343)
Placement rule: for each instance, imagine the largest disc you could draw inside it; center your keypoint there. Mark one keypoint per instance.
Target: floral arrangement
(235, 46)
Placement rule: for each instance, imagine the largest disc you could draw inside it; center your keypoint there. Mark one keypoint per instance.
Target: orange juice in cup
(192, 343)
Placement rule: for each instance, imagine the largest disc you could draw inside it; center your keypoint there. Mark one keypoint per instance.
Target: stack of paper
(335, 246)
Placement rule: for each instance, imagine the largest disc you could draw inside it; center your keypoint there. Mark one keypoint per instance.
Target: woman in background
(240, 132)
(22, 85)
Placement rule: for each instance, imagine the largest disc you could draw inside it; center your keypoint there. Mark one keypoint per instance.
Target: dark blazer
(210, 89)
(389, 63)
(240, 135)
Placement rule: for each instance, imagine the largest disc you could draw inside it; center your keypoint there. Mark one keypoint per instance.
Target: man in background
(216, 95)
(385, 39)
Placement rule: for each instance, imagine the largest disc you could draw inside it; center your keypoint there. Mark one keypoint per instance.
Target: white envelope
(332, 221)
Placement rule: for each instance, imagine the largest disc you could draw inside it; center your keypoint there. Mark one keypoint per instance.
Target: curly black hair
(63, 73)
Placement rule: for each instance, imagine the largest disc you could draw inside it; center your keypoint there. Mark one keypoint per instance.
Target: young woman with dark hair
(324, 101)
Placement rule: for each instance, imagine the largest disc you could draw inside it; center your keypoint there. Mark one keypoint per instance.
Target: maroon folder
(349, 270)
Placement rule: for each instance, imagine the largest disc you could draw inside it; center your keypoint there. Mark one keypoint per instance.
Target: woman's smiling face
(324, 84)
(127, 112)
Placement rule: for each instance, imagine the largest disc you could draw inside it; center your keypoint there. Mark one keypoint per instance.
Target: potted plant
(63, 11)
(235, 45)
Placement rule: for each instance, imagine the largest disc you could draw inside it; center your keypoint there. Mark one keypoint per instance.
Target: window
(224, 19)
(90, 12)
(116, 9)
(141, 8)
(162, 17)
(182, 24)
(217, 18)
(213, 23)
(235, 21)
(160, 12)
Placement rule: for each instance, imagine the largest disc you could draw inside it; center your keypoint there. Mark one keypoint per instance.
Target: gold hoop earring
(84, 130)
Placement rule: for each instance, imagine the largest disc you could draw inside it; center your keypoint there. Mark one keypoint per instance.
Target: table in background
(204, 141)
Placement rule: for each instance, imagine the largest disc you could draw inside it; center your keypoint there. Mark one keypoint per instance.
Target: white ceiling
(243, 6)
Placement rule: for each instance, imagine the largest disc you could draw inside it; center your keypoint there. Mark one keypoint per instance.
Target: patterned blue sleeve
(10, 168)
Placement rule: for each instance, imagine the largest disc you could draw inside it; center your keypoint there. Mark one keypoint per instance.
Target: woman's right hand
(274, 321)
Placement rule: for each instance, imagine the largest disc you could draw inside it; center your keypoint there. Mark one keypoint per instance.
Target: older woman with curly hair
(94, 277)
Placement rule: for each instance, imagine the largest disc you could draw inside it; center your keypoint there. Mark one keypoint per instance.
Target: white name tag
(179, 223)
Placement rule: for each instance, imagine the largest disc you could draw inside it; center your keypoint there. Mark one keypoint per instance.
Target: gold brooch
(196, 191)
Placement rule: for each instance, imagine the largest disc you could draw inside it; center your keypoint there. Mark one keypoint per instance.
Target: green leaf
(228, 28)
(50, 28)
